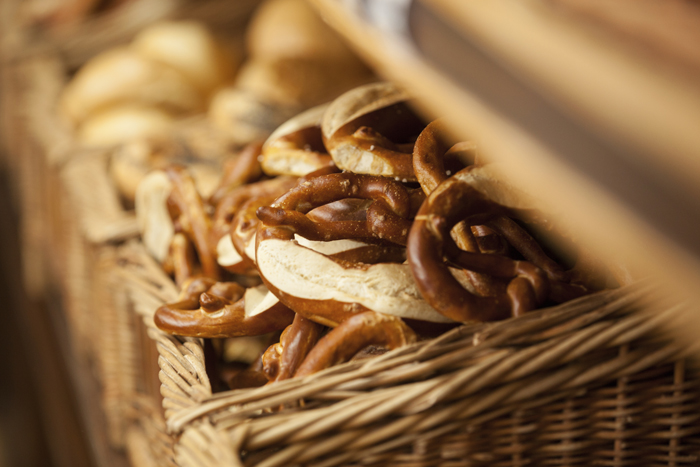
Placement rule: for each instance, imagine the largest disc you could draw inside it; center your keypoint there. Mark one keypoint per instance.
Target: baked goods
(294, 62)
(332, 246)
(168, 72)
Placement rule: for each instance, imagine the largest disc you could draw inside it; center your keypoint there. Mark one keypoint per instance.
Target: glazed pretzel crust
(217, 309)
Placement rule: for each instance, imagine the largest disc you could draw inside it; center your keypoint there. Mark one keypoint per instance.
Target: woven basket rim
(604, 319)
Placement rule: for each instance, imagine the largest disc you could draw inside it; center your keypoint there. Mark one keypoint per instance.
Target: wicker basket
(593, 381)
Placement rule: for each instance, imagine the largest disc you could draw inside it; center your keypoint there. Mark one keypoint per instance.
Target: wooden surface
(605, 138)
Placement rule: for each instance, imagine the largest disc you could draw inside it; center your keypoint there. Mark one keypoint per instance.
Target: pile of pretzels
(353, 229)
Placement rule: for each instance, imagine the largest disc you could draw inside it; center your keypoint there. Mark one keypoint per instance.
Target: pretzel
(428, 164)
(229, 257)
(566, 285)
(245, 168)
(362, 127)
(193, 217)
(316, 286)
(472, 192)
(353, 335)
(386, 216)
(182, 258)
(296, 147)
(245, 221)
(281, 360)
(222, 309)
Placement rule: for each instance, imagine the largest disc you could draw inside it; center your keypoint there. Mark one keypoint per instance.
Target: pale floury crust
(152, 214)
(301, 272)
(360, 101)
(287, 151)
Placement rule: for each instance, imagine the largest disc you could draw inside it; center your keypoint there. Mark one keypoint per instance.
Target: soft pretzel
(472, 192)
(428, 164)
(353, 335)
(387, 216)
(222, 309)
(242, 169)
(316, 286)
(193, 216)
(282, 360)
(363, 130)
(228, 256)
(296, 147)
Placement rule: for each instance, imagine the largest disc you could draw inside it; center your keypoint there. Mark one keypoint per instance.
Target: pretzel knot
(429, 242)
(207, 308)
(386, 218)
(307, 275)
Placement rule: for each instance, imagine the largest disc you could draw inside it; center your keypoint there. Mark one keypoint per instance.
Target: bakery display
(415, 235)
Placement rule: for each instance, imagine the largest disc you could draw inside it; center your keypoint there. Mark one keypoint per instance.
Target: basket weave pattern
(593, 381)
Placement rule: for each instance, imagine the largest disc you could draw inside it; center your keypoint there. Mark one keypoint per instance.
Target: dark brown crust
(430, 240)
(296, 342)
(238, 171)
(381, 132)
(193, 218)
(353, 335)
(428, 163)
(428, 154)
(194, 317)
(386, 216)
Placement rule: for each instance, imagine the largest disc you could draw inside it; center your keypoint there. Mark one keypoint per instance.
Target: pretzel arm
(296, 342)
(428, 164)
(561, 288)
(353, 335)
(333, 187)
(198, 224)
(244, 168)
(220, 312)
(522, 241)
(501, 266)
(429, 239)
(386, 225)
(428, 154)
(183, 260)
(318, 231)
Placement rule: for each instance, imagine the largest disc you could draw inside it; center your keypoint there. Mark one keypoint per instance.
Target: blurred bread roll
(188, 47)
(291, 28)
(121, 75)
(124, 122)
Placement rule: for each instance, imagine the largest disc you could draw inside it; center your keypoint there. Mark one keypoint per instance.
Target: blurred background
(590, 104)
